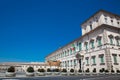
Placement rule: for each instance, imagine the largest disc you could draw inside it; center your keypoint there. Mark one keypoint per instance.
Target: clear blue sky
(31, 29)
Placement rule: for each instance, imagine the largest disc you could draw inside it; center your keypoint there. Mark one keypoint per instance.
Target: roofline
(68, 44)
(80, 38)
(84, 34)
(64, 46)
(97, 13)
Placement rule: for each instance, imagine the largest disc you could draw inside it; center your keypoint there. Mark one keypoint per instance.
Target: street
(102, 77)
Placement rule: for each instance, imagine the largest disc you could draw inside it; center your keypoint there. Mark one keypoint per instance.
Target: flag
(73, 47)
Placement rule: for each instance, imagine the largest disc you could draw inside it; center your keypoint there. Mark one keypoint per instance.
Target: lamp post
(80, 58)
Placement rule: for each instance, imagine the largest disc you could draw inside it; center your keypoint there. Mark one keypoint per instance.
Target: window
(65, 53)
(117, 41)
(99, 42)
(62, 55)
(96, 19)
(105, 20)
(93, 58)
(80, 46)
(101, 59)
(117, 38)
(86, 46)
(73, 48)
(74, 62)
(112, 21)
(115, 58)
(87, 61)
(90, 27)
(65, 64)
(111, 40)
(118, 23)
(70, 51)
(92, 44)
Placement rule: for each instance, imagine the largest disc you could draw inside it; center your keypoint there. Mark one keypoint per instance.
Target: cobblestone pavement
(104, 77)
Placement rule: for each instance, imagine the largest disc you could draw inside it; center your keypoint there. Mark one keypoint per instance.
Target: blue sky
(31, 29)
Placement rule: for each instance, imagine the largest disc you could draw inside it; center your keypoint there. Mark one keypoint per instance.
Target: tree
(41, 70)
(56, 70)
(64, 70)
(94, 70)
(118, 71)
(48, 70)
(30, 69)
(11, 69)
(106, 71)
(80, 70)
(87, 70)
(72, 70)
(112, 71)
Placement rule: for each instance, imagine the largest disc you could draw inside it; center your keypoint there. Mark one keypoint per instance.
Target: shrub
(112, 71)
(56, 70)
(64, 70)
(94, 70)
(80, 70)
(11, 69)
(48, 70)
(72, 70)
(41, 70)
(118, 71)
(103, 69)
(106, 71)
(30, 69)
(100, 70)
(87, 70)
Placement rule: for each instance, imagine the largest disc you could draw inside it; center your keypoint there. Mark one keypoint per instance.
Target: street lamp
(79, 57)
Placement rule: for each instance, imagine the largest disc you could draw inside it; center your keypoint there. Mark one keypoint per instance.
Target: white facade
(99, 45)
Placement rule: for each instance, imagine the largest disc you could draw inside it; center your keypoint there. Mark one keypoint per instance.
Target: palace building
(98, 47)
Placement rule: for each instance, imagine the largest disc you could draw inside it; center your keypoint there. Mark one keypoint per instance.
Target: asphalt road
(104, 77)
